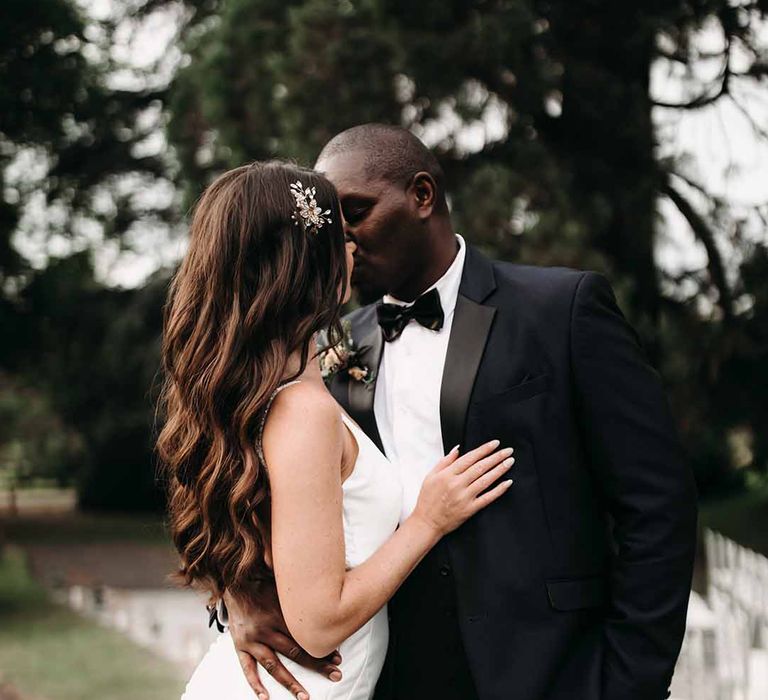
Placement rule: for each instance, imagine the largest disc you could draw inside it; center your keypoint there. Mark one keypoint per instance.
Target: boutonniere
(344, 358)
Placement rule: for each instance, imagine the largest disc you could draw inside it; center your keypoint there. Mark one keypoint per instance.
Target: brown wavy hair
(253, 288)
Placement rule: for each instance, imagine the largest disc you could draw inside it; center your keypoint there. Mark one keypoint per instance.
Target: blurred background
(629, 138)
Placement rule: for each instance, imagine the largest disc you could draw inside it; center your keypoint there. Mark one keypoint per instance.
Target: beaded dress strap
(260, 436)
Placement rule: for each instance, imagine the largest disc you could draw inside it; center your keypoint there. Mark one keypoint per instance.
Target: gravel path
(114, 564)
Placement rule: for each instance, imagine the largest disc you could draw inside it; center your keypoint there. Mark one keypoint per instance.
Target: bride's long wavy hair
(253, 288)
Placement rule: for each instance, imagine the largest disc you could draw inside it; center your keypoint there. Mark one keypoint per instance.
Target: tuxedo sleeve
(648, 490)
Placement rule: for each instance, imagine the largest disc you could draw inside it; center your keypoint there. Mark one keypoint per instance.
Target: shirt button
(445, 570)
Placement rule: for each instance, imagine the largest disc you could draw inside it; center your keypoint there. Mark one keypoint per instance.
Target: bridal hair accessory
(312, 216)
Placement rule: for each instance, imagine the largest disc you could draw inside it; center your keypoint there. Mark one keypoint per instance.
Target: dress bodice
(372, 499)
(371, 505)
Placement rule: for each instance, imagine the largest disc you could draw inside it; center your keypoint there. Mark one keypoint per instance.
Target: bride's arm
(322, 602)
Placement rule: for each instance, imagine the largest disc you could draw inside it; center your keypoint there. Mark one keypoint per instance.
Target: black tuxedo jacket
(575, 583)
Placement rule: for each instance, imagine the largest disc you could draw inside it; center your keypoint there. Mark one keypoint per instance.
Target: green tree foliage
(83, 356)
(34, 442)
(95, 352)
(42, 78)
(58, 108)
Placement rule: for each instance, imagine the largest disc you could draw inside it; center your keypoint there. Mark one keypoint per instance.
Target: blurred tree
(34, 442)
(65, 131)
(76, 151)
(95, 352)
(541, 113)
(36, 43)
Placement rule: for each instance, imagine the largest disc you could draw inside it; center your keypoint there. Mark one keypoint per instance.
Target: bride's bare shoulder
(303, 416)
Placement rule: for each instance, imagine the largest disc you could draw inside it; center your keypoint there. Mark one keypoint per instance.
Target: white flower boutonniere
(344, 358)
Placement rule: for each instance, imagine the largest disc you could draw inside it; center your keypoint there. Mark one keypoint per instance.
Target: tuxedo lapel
(469, 332)
(360, 395)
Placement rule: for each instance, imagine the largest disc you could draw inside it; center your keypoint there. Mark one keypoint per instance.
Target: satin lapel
(471, 325)
(360, 395)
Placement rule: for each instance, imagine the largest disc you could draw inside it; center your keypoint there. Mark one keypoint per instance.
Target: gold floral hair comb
(312, 216)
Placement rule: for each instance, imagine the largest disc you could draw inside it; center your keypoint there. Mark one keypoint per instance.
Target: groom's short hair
(391, 153)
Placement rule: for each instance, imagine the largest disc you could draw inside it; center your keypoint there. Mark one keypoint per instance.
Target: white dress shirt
(407, 399)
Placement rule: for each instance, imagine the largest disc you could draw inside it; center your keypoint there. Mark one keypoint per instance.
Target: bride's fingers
(288, 647)
(448, 460)
(274, 667)
(468, 459)
(490, 496)
(490, 477)
(251, 673)
(480, 467)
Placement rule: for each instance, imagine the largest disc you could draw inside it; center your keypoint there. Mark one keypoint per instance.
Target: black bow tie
(426, 310)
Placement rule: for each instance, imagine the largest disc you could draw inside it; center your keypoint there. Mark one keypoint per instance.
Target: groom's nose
(348, 234)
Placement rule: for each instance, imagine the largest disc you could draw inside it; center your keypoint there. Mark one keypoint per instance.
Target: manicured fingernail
(335, 676)
(455, 448)
(507, 451)
(508, 462)
(262, 696)
(509, 482)
(494, 443)
(302, 696)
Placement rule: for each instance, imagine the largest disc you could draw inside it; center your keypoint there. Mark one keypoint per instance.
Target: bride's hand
(456, 488)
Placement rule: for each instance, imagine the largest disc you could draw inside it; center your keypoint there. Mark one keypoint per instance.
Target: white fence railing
(725, 652)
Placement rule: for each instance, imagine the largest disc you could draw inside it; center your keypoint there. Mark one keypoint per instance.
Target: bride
(267, 476)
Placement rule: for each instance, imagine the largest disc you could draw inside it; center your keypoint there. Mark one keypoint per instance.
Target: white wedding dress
(372, 498)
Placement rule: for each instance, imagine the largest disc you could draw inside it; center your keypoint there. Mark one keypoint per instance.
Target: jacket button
(445, 570)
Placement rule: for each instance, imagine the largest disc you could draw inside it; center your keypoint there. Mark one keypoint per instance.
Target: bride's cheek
(350, 260)
(350, 267)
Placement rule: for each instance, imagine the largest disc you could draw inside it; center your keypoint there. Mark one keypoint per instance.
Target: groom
(574, 585)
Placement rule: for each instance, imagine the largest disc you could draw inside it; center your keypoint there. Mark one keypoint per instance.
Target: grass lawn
(742, 517)
(47, 651)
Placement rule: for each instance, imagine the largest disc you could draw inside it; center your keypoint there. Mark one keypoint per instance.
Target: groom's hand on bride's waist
(259, 632)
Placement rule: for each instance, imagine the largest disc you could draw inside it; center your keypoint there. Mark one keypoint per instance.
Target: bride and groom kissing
(484, 499)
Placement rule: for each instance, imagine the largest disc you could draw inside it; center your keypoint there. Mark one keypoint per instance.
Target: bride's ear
(423, 189)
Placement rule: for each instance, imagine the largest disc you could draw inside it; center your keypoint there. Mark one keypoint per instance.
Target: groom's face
(379, 218)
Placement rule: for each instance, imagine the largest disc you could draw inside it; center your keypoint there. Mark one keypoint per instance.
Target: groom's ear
(423, 190)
